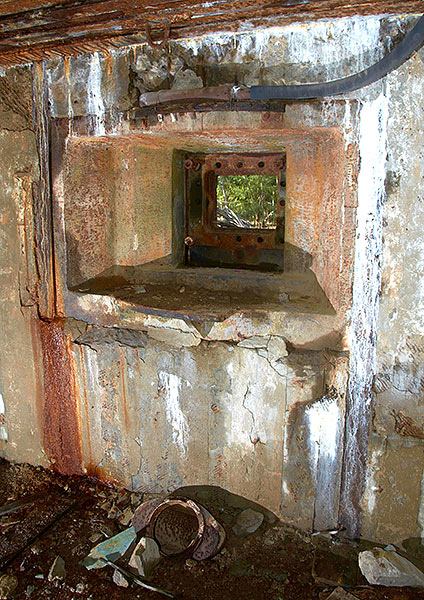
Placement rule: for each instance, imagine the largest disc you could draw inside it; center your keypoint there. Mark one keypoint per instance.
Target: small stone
(80, 588)
(190, 563)
(119, 579)
(8, 584)
(136, 499)
(248, 522)
(39, 576)
(113, 513)
(57, 570)
(380, 567)
(145, 557)
(182, 289)
(36, 549)
(96, 537)
(341, 594)
(29, 589)
(126, 516)
(140, 289)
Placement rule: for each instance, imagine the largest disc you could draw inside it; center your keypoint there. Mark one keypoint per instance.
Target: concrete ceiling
(36, 29)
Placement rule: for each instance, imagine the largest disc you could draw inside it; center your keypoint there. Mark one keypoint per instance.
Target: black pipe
(402, 51)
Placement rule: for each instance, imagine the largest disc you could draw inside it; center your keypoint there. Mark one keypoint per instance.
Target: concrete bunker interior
(148, 346)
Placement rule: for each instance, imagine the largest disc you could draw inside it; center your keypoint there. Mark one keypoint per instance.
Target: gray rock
(382, 567)
(57, 570)
(248, 521)
(145, 557)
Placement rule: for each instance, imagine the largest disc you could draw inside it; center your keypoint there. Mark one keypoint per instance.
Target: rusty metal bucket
(180, 527)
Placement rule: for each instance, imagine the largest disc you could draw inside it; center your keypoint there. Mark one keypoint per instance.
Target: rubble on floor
(58, 521)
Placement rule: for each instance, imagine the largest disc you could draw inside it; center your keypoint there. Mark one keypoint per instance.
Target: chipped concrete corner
(302, 392)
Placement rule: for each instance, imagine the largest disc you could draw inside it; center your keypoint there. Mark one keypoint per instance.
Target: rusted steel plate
(34, 30)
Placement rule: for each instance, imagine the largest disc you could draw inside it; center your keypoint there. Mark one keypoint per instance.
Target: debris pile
(160, 527)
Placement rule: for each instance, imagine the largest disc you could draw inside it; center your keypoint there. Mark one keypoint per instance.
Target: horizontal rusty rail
(37, 29)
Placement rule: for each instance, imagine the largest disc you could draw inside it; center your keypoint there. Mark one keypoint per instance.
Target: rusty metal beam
(35, 29)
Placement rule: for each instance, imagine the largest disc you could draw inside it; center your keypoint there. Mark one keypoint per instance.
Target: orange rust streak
(60, 419)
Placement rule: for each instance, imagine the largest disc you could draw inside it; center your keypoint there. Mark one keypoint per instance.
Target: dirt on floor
(67, 516)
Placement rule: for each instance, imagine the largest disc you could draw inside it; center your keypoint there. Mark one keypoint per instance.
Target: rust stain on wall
(59, 411)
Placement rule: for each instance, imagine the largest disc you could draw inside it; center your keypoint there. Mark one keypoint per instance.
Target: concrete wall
(159, 404)
(20, 426)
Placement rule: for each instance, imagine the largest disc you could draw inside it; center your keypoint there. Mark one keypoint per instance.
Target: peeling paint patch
(323, 420)
(371, 488)
(170, 385)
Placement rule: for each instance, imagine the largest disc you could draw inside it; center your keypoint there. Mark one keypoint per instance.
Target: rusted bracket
(157, 45)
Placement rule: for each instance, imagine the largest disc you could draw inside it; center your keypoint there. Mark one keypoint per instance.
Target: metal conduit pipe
(233, 94)
(400, 53)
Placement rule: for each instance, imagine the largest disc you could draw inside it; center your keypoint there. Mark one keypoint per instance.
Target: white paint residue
(371, 482)
(2, 407)
(2, 72)
(366, 286)
(336, 43)
(171, 385)
(323, 420)
(95, 104)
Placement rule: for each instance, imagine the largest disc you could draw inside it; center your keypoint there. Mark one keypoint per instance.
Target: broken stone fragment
(277, 348)
(145, 557)
(57, 570)
(173, 337)
(256, 341)
(248, 522)
(111, 549)
(341, 594)
(119, 579)
(126, 516)
(382, 567)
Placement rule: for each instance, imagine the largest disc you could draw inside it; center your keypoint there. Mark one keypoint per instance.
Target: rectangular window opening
(246, 201)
